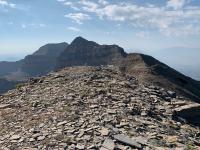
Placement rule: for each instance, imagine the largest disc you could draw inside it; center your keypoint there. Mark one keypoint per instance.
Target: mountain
(44, 60)
(84, 52)
(39, 63)
(79, 108)
(185, 60)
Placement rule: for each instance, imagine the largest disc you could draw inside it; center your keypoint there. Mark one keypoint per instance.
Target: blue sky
(147, 25)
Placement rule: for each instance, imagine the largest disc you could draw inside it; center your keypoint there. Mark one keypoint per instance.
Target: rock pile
(93, 108)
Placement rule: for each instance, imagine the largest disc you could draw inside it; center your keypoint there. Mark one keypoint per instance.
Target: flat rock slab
(108, 144)
(3, 106)
(126, 140)
(15, 137)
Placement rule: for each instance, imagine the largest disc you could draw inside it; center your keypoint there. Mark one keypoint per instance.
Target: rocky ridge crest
(95, 108)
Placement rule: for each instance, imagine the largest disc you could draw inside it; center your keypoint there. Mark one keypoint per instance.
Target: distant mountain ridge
(39, 63)
(42, 61)
(6, 85)
(82, 52)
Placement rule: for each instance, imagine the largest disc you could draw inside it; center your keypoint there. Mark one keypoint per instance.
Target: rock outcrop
(93, 108)
(189, 113)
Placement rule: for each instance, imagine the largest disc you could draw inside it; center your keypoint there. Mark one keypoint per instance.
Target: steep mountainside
(187, 62)
(96, 108)
(150, 70)
(83, 52)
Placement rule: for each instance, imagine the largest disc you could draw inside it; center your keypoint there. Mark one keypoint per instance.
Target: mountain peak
(82, 41)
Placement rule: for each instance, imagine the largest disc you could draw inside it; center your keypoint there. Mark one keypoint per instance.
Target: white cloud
(166, 21)
(177, 4)
(73, 29)
(143, 34)
(176, 17)
(5, 3)
(78, 17)
(71, 5)
(89, 6)
(33, 25)
(103, 2)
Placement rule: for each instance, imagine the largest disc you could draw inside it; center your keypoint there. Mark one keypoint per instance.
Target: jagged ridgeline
(82, 52)
(92, 108)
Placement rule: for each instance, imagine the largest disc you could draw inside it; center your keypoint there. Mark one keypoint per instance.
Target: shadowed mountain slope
(83, 52)
(39, 63)
(8, 67)
(150, 70)
(6, 85)
(42, 61)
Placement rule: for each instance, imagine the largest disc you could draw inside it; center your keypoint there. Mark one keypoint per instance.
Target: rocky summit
(96, 108)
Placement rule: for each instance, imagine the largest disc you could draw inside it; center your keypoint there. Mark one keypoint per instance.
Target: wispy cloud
(143, 34)
(73, 29)
(103, 2)
(33, 25)
(78, 17)
(71, 5)
(177, 4)
(176, 17)
(5, 3)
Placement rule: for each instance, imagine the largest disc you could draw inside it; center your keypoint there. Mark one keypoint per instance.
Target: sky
(146, 25)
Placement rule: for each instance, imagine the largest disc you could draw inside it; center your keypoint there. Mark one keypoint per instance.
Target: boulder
(190, 113)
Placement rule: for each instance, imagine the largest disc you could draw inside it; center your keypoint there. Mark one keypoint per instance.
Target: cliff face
(82, 52)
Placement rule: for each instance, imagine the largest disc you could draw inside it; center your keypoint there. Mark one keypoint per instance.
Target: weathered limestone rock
(126, 140)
